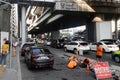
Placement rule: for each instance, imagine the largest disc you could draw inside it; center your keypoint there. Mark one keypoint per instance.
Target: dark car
(39, 57)
(57, 43)
(24, 46)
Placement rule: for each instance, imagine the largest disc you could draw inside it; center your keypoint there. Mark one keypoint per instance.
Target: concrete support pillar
(55, 35)
(91, 31)
(23, 25)
(116, 29)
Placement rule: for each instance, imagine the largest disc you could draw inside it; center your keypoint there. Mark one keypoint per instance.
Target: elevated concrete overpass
(67, 14)
(51, 16)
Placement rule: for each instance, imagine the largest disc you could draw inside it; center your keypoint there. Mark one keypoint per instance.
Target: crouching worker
(87, 62)
(71, 62)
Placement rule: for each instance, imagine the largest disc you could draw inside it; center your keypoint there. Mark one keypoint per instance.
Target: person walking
(99, 52)
(14, 47)
(5, 50)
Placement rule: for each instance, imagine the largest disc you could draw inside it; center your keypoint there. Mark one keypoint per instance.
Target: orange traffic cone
(87, 69)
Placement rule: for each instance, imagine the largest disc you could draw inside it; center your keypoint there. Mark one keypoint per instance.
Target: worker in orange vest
(99, 52)
(71, 62)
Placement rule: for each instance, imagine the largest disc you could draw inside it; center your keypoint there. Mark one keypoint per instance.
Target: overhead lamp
(54, 18)
(37, 27)
(97, 19)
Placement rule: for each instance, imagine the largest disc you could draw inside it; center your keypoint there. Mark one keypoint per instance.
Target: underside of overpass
(68, 18)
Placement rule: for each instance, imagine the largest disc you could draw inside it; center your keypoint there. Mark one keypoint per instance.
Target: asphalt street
(60, 71)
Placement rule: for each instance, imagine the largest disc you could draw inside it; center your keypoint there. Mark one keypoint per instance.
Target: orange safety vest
(71, 58)
(99, 50)
(72, 64)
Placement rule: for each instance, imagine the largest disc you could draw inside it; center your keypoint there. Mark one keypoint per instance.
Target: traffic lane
(106, 57)
(92, 54)
(59, 72)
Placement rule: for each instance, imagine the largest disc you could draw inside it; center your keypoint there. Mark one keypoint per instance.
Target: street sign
(102, 70)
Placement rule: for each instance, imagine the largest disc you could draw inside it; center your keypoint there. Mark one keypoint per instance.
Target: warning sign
(102, 70)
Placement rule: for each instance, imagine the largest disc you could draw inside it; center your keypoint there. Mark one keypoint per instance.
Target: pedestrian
(99, 52)
(14, 47)
(4, 53)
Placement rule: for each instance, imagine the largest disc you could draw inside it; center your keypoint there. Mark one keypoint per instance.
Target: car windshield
(39, 51)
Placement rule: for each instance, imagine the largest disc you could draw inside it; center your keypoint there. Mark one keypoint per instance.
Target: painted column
(23, 25)
(116, 29)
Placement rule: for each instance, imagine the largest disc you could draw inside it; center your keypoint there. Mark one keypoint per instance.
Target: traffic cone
(87, 69)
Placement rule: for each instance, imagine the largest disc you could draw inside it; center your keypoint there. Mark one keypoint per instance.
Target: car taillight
(33, 56)
(51, 56)
(22, 49)
(109, 46)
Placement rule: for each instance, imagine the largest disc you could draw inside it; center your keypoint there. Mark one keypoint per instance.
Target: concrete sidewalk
(13, 73)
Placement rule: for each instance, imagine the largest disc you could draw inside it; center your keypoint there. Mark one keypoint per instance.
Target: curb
(19, 67)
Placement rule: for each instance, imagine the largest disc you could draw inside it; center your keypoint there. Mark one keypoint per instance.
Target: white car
(107, 46)
(77, 45)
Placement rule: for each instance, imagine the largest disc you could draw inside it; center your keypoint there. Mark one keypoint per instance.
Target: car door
(68, 46)
(73, 45)
(93, 46)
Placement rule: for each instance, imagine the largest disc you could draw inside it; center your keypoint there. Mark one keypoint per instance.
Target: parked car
(57, 43)
(113, 41)
(38, 57)
(116, 56)
(107, 46)
(109, 40)
(77, 45)
(24, 46)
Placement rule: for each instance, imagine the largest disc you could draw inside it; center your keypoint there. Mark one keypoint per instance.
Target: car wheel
(117, 59)
(24, 59)
(22, 54)
(65, 49)
(75, 51)
(51, 66)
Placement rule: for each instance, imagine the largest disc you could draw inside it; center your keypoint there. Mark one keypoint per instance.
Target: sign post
(102, 70)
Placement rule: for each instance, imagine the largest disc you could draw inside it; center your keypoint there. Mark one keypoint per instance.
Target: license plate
(44, 58)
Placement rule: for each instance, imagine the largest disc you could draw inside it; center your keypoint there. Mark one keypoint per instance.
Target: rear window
(108, 43)
(39, 51)
(36, 51)
(84, 44)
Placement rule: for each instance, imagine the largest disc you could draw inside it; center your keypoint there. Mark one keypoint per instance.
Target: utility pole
(11, 32)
